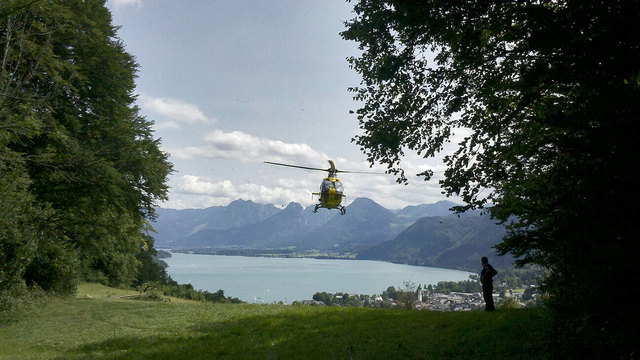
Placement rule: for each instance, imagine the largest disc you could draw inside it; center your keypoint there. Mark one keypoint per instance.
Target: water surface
(260, 279)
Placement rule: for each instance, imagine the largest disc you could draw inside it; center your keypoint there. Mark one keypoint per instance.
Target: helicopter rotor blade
(360, 172)
(294, 166)
(335, 171)
(330, 170)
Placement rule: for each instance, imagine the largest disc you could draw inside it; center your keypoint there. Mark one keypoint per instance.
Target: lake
(268, 280)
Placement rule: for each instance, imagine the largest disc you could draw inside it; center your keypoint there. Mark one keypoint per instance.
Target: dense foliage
(549, 94)
(80, 170)
(446, 287)
(186, 291)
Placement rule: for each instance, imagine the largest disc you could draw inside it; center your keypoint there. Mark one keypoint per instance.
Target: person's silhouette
(486, 278)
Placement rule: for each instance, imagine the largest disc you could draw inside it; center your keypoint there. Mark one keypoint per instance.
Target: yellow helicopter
(331, 189)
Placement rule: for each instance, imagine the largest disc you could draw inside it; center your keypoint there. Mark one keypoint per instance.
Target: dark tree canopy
(550, 92)
(84, 166)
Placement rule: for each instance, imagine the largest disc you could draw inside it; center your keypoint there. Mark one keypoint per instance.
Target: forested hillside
(444, 241)
(80, 169)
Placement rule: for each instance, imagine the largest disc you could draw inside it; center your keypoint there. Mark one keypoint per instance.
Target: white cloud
(125, 3)
(237, 145)
(222, 192)
(176, 111)
(167, 125)
(197, 185)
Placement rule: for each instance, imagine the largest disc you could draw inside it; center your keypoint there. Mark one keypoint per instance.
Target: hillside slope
(414, 212)
(98, 328)
(449, 241)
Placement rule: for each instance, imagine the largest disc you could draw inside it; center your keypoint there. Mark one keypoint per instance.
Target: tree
(549, 92)
(151, 270)
(325, 297)
(69, 121)
(390, 293)
(30, 248)
(408, 295)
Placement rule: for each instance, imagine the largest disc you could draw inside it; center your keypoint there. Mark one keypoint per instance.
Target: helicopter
(331, 189)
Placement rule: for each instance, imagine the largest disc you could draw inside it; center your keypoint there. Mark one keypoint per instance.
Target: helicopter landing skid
(343, 210)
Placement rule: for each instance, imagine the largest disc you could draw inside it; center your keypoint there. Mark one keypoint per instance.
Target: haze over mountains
(429, 234)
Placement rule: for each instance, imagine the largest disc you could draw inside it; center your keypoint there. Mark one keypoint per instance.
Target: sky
(230, 84)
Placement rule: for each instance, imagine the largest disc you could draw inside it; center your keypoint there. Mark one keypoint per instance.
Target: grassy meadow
(98, 324)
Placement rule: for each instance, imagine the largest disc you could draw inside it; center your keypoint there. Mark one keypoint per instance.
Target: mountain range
(428, 234)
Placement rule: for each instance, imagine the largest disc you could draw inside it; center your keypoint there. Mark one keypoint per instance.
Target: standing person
(486, 278)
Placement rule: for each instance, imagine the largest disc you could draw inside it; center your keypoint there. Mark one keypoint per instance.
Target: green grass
(98, 325)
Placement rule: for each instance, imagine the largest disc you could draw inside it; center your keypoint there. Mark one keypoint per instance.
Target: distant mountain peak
(294, 206)
(240, 202)
(364, 202)
(414, 212)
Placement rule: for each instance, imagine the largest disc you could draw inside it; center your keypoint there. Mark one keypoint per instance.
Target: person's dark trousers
(488, 297)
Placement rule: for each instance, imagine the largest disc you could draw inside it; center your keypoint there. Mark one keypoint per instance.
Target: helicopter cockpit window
(339, 188)
(326, 185)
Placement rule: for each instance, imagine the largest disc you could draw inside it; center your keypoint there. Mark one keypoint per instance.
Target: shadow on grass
(340, 333)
